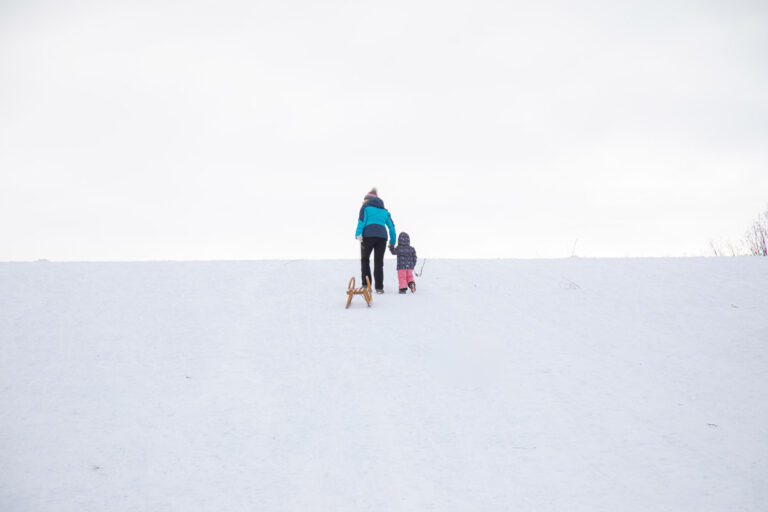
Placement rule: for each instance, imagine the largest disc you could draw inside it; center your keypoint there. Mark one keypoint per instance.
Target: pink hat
(373, 193)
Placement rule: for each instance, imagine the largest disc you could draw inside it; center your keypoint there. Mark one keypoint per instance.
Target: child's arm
(393, 249)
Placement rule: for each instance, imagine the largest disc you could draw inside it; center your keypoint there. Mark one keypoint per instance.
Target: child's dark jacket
(406, 255)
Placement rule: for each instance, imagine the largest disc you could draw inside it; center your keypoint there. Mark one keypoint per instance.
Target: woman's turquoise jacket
(375, 220)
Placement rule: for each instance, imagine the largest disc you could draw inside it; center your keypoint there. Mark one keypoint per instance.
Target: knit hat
(370, 195)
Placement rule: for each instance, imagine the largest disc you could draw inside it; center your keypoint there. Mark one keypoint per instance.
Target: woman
(372, 227)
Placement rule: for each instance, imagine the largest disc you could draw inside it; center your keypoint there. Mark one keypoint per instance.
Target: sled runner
(365, 291)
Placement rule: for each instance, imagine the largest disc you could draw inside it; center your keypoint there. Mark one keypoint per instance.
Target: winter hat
(370, 195)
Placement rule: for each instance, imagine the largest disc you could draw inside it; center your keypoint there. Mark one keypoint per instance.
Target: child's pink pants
(404, 276)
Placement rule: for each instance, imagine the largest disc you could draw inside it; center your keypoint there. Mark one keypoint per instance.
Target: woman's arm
(391, 228)
(360, 222)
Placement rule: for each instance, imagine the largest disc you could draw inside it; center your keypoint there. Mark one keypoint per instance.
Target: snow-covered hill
(579, 385)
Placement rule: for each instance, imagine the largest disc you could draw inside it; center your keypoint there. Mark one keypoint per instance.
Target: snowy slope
(579, 385)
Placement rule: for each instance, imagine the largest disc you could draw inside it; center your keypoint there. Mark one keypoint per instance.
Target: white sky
(244, 129)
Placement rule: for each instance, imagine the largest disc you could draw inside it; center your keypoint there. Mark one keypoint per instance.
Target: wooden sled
(365, 291)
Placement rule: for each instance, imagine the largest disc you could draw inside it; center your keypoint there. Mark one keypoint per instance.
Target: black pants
(378, 246)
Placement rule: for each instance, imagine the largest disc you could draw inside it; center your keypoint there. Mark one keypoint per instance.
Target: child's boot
(412, 286)
(403, 290)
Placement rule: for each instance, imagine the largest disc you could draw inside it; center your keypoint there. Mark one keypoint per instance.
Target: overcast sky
(251, 129)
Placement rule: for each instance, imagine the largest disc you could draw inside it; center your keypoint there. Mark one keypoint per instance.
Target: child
(406, 261)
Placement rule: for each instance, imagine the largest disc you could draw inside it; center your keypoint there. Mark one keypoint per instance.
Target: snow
(547, 385)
